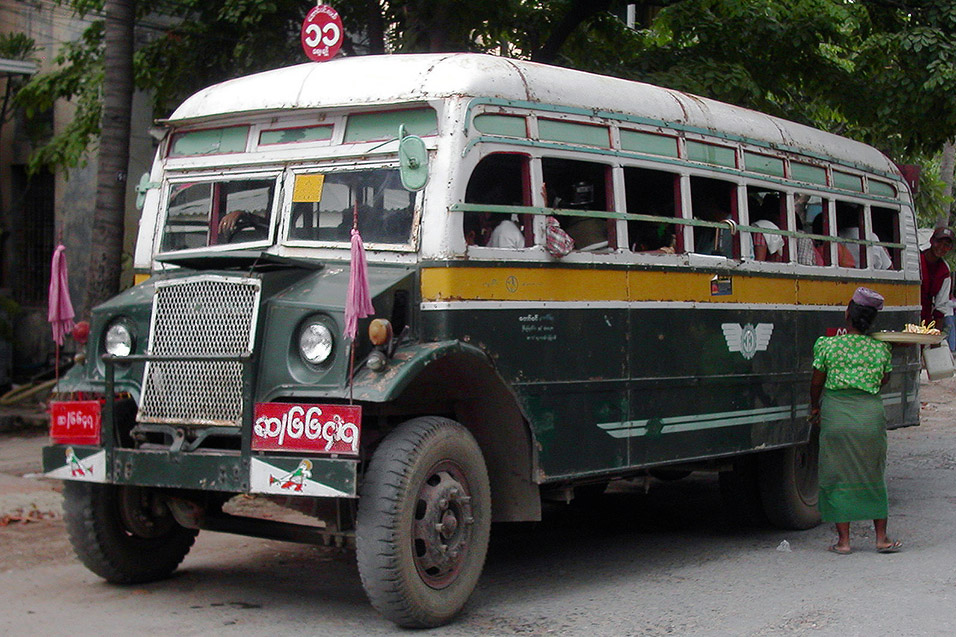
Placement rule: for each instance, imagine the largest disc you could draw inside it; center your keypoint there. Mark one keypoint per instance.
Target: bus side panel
(567, 366)
(716, 382)
(612, 384)
(710, 382)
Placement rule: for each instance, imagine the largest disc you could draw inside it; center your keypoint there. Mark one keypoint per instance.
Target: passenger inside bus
(578, 185)
(886, 225)
(651, 192)
(647, 236)
(763, 213)
(849, 218)
(844, 258)
(497, 180)
(806, 255)
(589, 233)
(712, 200)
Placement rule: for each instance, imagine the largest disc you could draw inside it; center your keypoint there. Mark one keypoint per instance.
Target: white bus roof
(393, 79)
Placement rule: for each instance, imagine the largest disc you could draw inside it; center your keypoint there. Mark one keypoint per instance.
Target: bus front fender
(407, 363)
(458, 380)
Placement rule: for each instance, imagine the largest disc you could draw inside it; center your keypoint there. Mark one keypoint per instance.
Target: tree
(109, 215)
(947, 165)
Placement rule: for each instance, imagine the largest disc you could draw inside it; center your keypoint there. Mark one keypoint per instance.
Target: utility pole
(106, 250)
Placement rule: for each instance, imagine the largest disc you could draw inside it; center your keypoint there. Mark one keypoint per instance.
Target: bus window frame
(896, 254)
(527, 219)
(622, 206)
(739, 192)
(784, 221)
(562, 213)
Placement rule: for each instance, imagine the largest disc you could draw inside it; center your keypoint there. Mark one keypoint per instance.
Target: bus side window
(849, 225)
(806, 209)
(766, 209)
(886, 227)
(500, 179)
(821, 225)
(579, 185)
(652, 192)
(714, 200)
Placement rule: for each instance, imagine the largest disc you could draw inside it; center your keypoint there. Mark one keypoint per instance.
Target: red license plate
(329, 429)
(75, 423)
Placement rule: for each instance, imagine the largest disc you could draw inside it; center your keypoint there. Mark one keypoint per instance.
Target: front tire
(424, 520)
(126, 535)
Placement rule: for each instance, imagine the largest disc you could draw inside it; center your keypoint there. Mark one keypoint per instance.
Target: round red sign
(322, 33)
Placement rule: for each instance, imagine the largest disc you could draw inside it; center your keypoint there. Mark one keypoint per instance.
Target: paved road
(664, 563)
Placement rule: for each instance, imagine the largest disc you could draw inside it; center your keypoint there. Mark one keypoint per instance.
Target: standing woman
(848, 372)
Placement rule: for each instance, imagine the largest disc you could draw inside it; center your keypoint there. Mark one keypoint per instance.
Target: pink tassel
(60, 313)
(359, 303)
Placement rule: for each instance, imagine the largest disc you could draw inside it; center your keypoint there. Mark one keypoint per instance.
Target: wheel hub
(442, 528)
(143, 514)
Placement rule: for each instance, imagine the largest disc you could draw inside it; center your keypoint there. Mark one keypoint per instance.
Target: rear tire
(424, 520)
(126, 535)
(789, 486)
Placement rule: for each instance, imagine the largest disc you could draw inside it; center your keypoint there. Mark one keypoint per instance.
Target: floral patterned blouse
(852, 361)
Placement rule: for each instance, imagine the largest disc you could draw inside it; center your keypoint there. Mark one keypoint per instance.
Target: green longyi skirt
(852, 456)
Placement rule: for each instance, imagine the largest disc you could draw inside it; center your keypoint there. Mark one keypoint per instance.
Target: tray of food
(908, 337)
(913, 334)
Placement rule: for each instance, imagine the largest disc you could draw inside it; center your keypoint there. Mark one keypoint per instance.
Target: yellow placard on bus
(308, 188)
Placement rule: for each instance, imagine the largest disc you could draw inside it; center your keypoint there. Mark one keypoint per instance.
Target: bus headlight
(315, 342)
(119, 339)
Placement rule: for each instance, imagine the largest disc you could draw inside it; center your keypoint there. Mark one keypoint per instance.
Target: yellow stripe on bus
(594, 285)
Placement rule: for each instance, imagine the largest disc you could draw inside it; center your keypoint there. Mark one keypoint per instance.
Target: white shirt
(506, 234)
(876, 256)
(774, 241)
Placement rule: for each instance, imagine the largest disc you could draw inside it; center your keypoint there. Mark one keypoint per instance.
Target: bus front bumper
(231, 472)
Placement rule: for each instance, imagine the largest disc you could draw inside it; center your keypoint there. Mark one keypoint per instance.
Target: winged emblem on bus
(747, 339)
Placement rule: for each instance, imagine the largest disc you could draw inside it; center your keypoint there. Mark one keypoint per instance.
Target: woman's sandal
(895, 547)
(836, 549)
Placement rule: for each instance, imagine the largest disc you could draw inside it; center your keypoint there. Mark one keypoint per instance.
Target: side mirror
(413, 160)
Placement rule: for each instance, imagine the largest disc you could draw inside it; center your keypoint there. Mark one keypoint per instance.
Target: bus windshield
(208, 213)
(324, 208)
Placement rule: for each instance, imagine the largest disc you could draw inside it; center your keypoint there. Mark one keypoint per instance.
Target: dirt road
(662, 563)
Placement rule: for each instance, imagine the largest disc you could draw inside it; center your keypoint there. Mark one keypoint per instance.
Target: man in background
(935, 281)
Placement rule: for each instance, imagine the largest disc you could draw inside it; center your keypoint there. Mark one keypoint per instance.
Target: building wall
(74, 197)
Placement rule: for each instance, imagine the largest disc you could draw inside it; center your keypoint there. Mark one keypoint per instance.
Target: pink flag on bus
(359, 302)
(60, 313)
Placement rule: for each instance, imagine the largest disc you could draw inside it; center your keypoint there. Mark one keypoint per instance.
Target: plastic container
(938, 361)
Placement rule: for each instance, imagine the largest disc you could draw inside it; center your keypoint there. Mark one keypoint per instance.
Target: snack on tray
(922, 328)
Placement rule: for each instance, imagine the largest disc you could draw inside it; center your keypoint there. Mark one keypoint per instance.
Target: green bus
(576, 279)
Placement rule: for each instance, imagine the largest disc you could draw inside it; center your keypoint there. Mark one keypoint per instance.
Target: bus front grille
(200, 316)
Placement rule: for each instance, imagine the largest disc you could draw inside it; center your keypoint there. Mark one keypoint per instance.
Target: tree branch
(580, 11)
